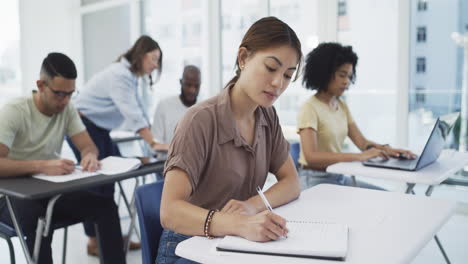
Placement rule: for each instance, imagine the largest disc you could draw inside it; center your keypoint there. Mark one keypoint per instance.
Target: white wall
(47, 26)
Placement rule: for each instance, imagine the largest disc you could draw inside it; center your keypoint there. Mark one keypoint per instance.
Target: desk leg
(132, 213)
(19, 232)
(429, 190)
(128, 205)
(124, 196)
(439, 244)
(442, 249)
(409, 188)
(43, 226)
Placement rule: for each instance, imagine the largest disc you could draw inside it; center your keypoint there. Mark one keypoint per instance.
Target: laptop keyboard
(396, 163)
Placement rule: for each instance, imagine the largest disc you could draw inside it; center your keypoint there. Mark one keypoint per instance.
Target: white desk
(445, 166)
(385, 227)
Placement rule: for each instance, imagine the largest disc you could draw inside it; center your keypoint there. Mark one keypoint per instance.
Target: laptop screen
(433, 147)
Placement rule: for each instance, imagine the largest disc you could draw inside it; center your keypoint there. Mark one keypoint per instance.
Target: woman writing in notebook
(224, 148)
(324, 120)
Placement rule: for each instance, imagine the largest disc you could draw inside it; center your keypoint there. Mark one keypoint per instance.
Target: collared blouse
(220, 165)
(111, 96)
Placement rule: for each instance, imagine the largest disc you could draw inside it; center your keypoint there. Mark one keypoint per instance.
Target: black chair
(7, 232)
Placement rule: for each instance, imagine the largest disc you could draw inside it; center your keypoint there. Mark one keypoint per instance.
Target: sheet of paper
(77, 174)
(115, 165)
(109, 166)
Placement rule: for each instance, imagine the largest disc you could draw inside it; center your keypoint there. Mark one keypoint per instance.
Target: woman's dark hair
(324, 61)
(266, 33)
(135, 54)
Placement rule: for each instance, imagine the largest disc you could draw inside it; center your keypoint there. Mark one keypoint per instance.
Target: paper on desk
(75, 175)
(115, 165)
(109, 166)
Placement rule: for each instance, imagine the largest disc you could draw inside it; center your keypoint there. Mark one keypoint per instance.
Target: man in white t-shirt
(171, 109)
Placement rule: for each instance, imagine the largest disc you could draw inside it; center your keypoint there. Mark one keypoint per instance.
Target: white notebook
(109, 166)
(305, 239)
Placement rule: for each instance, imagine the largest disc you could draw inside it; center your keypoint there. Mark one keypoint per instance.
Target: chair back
(6, 230)
(148, 202)
(294, 150)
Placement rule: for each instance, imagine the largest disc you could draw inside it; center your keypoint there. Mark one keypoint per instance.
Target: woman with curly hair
(324, 120)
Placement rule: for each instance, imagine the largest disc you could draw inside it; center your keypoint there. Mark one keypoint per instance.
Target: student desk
(385, 227)
(446, 165)
(124, 136)
(32, 188)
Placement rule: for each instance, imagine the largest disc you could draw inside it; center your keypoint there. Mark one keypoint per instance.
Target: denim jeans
(167, 246)
(310, 178)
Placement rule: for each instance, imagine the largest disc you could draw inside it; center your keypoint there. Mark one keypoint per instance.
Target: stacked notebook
(305, 239)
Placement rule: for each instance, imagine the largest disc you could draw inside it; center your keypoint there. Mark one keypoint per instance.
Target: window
(437, 92)
(10, 73)
(180, 27)
(297, 14)
(237, 17)
(420, 65)
(368, 40)
(421, 34)
(101, 27)
(422, 5)
(420, 95)
(343, 18)
(342, 8)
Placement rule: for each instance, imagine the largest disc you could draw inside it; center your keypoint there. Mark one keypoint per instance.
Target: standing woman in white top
(324, 120)
(110, 98)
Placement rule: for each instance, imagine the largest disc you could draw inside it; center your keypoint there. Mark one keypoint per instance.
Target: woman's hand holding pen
(262, 227)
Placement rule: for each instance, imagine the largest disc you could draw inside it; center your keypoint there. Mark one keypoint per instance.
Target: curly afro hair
(324, 61)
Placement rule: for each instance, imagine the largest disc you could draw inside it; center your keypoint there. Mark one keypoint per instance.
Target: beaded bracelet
(208, 219)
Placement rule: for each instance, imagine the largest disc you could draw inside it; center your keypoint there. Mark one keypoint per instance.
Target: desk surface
(124, 136)
(385, 227)
(32, 188)
(445, 166)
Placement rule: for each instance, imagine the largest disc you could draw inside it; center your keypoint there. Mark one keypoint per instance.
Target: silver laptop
(434, 145)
